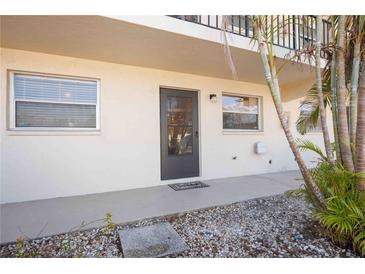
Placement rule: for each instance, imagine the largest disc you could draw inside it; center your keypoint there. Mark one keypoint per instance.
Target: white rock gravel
(277, 226)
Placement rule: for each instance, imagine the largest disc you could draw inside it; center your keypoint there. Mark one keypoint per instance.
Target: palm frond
(227, 49)
(308, 121)
(305, 145)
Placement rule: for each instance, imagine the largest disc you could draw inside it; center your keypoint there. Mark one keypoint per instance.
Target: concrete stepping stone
(156, 240)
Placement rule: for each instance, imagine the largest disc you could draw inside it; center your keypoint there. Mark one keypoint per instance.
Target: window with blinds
(54, 103)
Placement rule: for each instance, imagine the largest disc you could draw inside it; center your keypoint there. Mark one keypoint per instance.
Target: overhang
(124, 40)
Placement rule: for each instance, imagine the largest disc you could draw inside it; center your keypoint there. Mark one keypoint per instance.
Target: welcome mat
(189, 185)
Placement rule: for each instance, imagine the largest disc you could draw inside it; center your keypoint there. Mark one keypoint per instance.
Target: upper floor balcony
(292, 32)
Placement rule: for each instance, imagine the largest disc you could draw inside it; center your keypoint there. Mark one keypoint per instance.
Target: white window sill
(242, 132)
(17, 132)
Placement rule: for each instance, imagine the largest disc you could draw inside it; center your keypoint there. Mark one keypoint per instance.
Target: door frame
(198, 126)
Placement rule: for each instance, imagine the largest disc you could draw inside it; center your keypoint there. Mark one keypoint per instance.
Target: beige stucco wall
(126, 153)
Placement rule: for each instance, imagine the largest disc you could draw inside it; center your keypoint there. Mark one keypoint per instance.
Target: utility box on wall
(260, 148)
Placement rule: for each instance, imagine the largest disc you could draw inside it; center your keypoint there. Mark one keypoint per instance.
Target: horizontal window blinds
(42, 101)
(32, 114)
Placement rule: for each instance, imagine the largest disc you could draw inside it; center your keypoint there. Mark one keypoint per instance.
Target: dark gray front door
(179, 134)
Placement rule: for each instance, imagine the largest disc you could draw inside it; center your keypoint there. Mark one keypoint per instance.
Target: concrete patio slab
(58, 215)
(151, 241)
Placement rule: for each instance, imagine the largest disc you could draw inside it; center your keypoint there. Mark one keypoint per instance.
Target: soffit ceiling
(110, 40)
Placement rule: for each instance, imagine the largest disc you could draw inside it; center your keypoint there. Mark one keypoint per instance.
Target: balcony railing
(293, 32)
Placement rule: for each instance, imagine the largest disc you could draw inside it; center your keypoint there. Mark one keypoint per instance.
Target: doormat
(153, 241)
(189, 185)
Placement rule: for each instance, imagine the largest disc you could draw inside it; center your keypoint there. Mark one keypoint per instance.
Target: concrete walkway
(59, 215)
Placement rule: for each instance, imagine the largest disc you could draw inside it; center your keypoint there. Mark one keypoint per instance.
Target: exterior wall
(126, 152)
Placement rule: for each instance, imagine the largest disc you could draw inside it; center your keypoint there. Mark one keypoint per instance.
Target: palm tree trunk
(343, 129)
(272, 81)
(360, 132)
(334, 106)
(354, 85)
(322, 109)
(334, 93)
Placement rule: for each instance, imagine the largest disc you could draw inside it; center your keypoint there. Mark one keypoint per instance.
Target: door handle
(197, 133)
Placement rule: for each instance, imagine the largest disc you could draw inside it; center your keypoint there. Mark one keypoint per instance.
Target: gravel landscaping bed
(277, 226)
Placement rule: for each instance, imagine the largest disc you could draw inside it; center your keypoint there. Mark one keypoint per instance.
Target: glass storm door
(179, 134)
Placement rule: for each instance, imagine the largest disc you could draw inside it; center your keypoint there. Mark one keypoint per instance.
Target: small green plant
(109, 226)
(344, 215)
(21, 250)
(66, 246)
(19, 247)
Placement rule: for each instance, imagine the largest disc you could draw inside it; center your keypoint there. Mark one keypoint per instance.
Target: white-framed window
(241, 112)
(306, 111)
(49, 102)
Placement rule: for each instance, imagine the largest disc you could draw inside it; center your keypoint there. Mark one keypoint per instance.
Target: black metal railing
(288, 31)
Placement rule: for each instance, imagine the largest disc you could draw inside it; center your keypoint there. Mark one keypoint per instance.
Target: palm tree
(273, 83)
(334, 96)
(322, 109)
(309, 120)
(357, 29)
(360, 130)
(343, 129)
